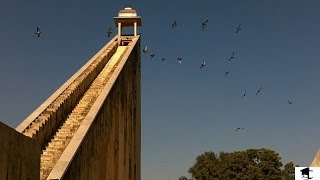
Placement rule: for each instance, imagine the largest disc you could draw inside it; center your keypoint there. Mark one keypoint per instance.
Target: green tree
(288, 171)
(183, 178)
(250, 164)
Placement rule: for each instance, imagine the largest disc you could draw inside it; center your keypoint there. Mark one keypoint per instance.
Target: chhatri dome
(127, 12)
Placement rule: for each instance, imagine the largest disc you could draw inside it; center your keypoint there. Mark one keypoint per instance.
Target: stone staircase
(43, 127)
(70, 124)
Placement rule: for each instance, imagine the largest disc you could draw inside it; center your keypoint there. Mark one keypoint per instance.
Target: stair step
(70, 125)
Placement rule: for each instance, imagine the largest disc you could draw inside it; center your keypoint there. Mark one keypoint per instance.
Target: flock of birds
(179, 59)
(203, 64)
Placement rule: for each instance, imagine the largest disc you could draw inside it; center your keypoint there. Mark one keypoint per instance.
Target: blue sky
(185, 110)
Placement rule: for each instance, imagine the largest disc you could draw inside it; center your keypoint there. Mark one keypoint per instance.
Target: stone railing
(43, 123)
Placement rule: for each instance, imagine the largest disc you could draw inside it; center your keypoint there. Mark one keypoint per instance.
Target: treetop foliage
(249, 164)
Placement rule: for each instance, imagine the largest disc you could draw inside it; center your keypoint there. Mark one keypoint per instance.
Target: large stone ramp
(44, 122)
(65, 133)
(90, 128)
(106, 143)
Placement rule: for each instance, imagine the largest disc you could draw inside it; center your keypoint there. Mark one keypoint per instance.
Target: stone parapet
(19, 155)
(43, 123)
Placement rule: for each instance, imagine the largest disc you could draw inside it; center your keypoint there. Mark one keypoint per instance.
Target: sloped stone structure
(90, 128)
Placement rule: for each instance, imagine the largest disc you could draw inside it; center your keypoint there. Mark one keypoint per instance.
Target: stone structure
(127, 17)
(90, 128)
(316, 160)
(19, 155)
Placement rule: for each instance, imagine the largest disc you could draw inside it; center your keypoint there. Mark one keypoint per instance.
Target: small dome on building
(127, 12)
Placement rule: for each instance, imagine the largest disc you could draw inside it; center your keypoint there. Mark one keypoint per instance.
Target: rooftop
(127, 12)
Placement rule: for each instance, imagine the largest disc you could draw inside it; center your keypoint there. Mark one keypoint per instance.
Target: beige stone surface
(19, 155)
(316, 160)
(54, 96)
(47, 123)
(106, 150)
(60, 144)
(90, 128)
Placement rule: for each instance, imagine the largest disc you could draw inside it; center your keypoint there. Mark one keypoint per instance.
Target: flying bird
(232, 56)
(290, 102)
(204, 24)
(238, 28)
(259, 90)
(145, 50)
(163, 59)
(238, 129)
(179, 60)
(244, 94)
(152, 56)
(226, 74)
(109, 32)
(38, 32)
(203, 64)
(174, 24)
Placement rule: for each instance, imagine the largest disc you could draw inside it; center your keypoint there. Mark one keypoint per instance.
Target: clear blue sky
(185, 110)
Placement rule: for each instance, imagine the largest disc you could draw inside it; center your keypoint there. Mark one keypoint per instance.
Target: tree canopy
(250, 164)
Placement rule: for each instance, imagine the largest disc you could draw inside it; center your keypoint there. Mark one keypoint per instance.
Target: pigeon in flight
(232, 56)
(152, 56)
(290, 102)
(204, 24)
(238, 28)
(244, 94)
(145, 50)
(109, 32)
(238, 129)
(163, 59)
(179, 60)
(203, 64)
(38, 32)
(174, 24)
(259, 90)
(226, 74)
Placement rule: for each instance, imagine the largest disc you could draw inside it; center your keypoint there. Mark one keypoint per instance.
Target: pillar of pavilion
(127, 18)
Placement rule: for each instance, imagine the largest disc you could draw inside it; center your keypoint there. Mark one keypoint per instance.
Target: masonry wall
(19, 155)
(50, 115)
(111, 148)
(316, 160)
